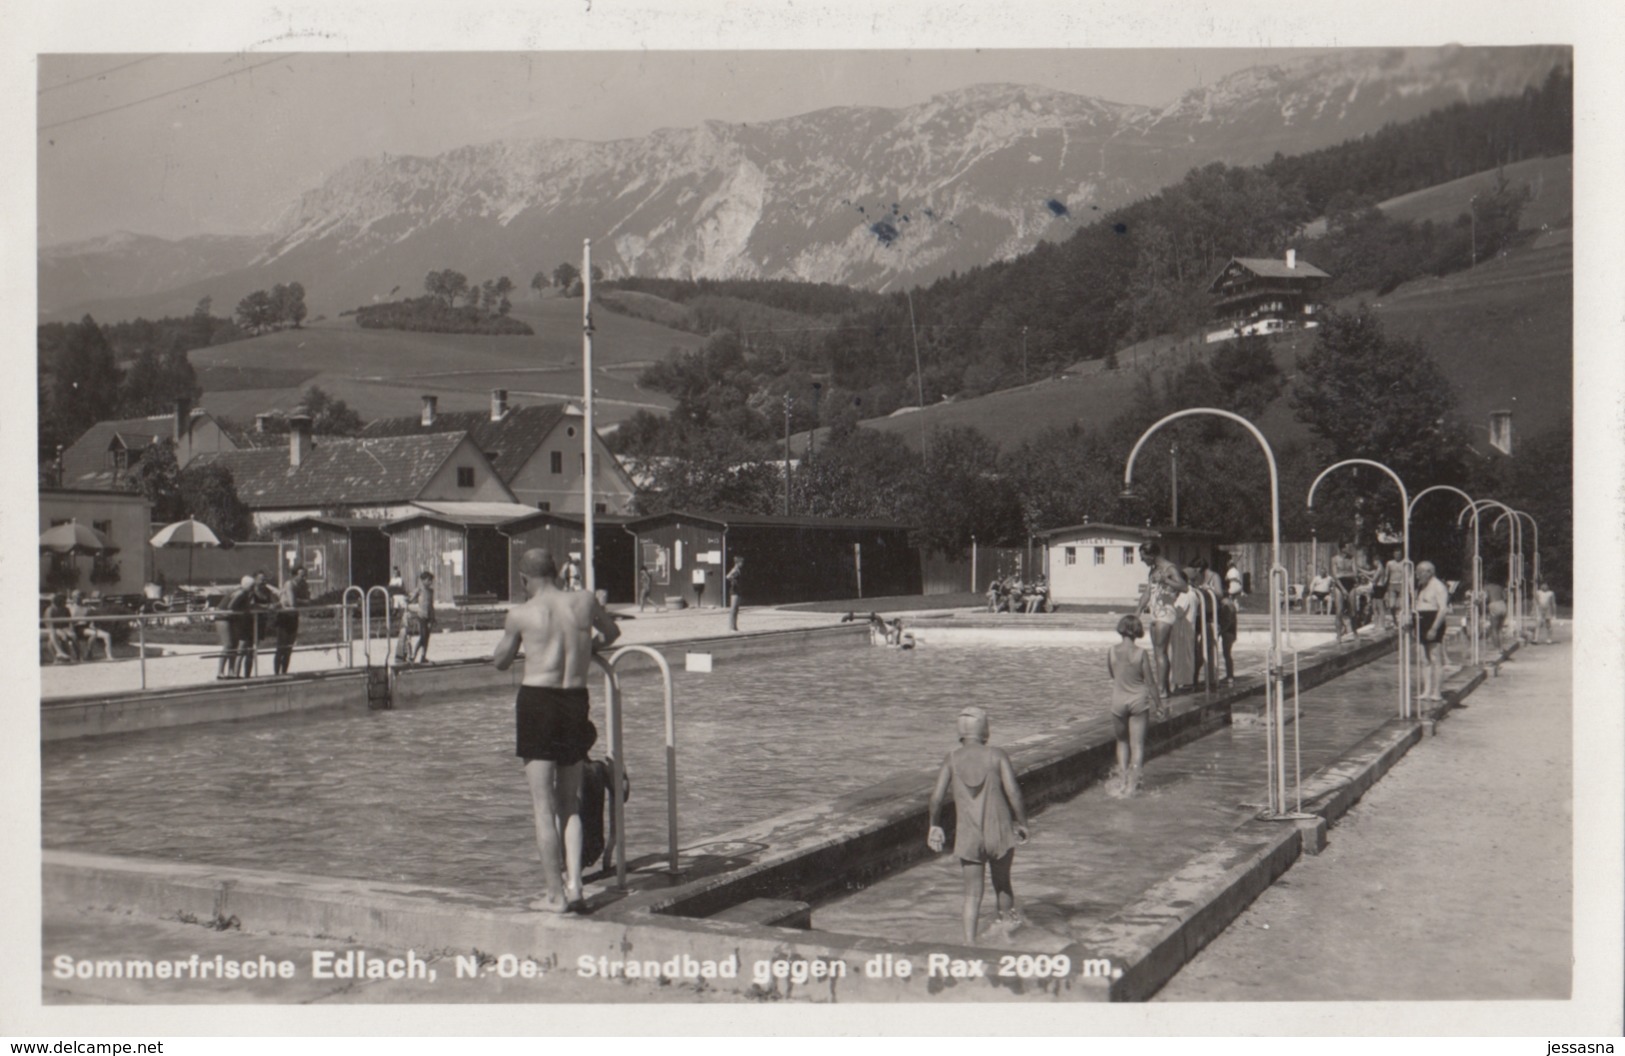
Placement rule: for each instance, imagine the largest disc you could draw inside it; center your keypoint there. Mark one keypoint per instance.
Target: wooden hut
(614, 550)
(787, 559)
(459, 543)
(337, 552)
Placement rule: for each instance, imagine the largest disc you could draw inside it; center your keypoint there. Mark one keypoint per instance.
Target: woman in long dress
(1184, 641)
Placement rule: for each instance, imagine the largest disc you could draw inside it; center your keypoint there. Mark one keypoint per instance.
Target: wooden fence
(952, 575)
(213, 564)
(1296, 557)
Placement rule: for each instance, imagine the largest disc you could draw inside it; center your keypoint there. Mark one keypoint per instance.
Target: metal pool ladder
(612, 686)
(364, 598)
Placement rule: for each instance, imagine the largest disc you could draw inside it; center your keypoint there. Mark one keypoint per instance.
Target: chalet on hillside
(102, 458)
(536, 451)
(377, 479)
(1262, 295)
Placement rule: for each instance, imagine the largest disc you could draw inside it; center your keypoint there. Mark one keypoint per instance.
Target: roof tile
(336, 471)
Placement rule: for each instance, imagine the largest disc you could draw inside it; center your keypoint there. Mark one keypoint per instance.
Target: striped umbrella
(189, 533)
(74, 538)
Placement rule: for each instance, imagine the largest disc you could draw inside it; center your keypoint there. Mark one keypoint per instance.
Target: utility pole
(1024, 355)
(587, 433)
(1173, 467)
(1472, 215)
(789, 402)
(812, 434)
(919, 376)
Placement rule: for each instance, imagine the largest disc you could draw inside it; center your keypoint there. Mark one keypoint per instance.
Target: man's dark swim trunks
(553, 724)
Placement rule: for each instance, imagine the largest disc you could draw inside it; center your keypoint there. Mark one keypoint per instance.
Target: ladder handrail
(1208, 599)
(349, 636)
(366, 623)
(612, 685)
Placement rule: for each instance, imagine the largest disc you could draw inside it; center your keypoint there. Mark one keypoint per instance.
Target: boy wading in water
(1134, 698)
(991, 819)
(554, 733)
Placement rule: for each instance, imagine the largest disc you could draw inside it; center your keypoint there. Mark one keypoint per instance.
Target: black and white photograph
(830, 525)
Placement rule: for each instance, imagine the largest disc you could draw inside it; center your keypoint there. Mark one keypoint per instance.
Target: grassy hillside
(1551, 203)
(1502, 333)
(384, 372)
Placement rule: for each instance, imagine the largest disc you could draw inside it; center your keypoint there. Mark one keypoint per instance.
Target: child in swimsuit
(990, 818)
(1134, 699)
(1545, 612)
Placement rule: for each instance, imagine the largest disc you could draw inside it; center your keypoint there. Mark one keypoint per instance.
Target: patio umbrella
(189, 533)
(73, 538)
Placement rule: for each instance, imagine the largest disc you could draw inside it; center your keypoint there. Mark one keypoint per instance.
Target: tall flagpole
(586, 410)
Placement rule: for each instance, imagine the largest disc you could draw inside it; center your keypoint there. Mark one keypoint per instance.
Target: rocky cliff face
(861, 196)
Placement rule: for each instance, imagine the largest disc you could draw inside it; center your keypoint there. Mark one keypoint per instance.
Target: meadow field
(384, 372)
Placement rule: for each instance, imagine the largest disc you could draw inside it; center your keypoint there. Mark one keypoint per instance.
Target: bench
(470, 607)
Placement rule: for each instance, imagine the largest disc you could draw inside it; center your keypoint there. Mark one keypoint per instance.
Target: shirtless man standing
(554, 733)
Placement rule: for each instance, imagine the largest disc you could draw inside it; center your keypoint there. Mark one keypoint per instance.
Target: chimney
(261, 422)
(1291, 259)
(428, 409)
(298, 437)
(183, 419)
(499, 404)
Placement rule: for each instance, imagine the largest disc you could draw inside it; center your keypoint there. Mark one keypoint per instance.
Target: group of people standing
(1360, 590)
(247, 612)
(1191, 609)
(417, 615)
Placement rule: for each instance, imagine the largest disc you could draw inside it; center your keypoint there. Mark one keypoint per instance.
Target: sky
(183, 144)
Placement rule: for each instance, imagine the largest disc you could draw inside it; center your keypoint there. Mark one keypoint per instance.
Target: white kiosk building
(1094, 564)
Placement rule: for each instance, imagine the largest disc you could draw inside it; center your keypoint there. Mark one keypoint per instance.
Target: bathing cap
(248, 581)
(973, 723)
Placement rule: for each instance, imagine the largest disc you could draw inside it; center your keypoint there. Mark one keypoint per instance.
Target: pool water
(434, 794)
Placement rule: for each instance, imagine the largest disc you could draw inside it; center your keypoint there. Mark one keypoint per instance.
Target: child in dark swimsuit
(1134, 701)
(990, 818)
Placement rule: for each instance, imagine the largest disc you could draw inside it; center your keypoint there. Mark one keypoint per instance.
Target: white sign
(712, 557)
(698, 662)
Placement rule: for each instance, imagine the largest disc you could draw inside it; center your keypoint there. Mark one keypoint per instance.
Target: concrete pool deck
(192, 666)
(94, 699)
(254, 907)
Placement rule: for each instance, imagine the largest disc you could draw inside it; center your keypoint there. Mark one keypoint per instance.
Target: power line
(160, 95)
(94, 76)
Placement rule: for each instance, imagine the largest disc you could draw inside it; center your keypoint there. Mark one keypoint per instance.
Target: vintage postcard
(851, 514)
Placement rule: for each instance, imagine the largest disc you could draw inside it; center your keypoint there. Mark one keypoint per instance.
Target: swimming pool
(434, 795)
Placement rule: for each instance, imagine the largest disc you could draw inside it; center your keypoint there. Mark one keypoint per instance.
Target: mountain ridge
(866, 196)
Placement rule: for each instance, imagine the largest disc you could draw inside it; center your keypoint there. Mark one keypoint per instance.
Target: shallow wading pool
(434, 795)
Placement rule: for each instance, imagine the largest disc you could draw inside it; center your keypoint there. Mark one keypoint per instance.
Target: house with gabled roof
(1262, 295)
(382, 478)
(102, 458)
(536, 451)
